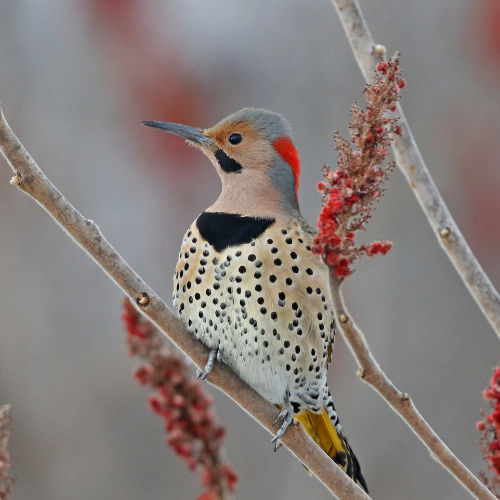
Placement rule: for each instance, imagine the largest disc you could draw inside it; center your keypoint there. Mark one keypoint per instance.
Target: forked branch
(348, 194)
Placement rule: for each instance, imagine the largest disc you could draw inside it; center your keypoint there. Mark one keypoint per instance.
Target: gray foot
(286, 417)
(213, 355)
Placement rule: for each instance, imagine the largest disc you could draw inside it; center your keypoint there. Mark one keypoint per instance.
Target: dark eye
(235, 138)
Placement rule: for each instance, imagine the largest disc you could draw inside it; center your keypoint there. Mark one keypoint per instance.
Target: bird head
(253, 153)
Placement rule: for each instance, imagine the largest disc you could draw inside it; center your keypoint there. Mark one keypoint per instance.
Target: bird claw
(285, 416)
(213, 355)
(281, 416)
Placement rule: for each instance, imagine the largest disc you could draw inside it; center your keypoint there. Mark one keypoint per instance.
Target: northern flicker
(247, 284)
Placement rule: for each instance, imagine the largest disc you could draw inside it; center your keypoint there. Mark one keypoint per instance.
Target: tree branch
(411, 163)
(400, 402)
(30, 179)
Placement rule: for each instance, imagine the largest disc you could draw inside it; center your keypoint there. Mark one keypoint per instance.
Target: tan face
(253, 152)
(254, 157)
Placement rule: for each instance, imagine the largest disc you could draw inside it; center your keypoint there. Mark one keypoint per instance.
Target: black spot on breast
(224, 230)
(227, 163)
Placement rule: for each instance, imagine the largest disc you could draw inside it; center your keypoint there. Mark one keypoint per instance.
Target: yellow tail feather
(332, 442)
(320, 428)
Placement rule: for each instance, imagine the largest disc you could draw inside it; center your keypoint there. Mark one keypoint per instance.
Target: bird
(247, 284)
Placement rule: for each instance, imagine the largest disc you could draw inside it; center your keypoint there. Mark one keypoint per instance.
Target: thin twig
(30, 179)
(372, 374)
(411, 163)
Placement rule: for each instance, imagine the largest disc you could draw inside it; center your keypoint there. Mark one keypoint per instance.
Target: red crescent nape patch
(285, 148)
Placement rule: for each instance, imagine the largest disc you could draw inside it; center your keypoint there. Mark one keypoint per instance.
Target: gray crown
(271, 125)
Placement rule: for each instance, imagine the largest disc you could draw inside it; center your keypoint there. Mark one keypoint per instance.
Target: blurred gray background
(77, 77)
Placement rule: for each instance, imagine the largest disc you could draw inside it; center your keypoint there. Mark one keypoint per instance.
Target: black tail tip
(362, 482)
(358, 477)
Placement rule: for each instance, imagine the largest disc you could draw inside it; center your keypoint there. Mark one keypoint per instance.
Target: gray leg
(214, 354)
(286, 416)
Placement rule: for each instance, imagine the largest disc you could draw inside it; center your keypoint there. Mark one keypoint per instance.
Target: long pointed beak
(191, 134)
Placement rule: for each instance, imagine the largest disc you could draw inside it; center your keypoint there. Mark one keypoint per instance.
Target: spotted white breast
(264, 304)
